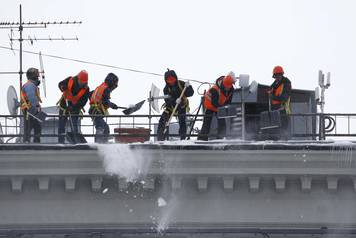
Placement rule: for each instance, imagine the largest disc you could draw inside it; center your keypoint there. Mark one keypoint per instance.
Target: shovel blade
(75, 138)
(133, 109)
(41, 115)
(270, 120)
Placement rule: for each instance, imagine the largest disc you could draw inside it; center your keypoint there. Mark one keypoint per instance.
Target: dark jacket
(175, 91)
(63, 85)
(287, 89)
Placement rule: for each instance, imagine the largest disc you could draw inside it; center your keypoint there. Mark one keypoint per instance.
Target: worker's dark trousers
(63, 122)
(205, 129)
(29, 124)
(182, 124)
(102, 130)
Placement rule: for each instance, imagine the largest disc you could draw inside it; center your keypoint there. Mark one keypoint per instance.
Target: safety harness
(185, 101)
(69, 97)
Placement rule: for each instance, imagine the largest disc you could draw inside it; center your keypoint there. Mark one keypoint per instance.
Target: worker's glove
(178, 101)
(186, 84)
(114, 106)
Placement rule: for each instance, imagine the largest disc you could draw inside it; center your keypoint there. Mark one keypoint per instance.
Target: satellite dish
(42, 73)
(253, 87)
(244, 80)
(154, 97)
(12, 101)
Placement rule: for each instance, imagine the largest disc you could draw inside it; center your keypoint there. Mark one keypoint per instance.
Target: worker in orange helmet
(279, 96)
(75, 94)
(220, 94)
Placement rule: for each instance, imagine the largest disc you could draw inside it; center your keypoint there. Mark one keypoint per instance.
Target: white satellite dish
(12, 101)
(253, 87)
(155, 97)
(43, 75)
(244, 80)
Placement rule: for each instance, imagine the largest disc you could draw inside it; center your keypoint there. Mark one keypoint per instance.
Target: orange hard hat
(83, 77)
(229, 80)
(278, 70)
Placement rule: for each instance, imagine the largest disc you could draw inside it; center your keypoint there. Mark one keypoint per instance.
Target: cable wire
(98, 64)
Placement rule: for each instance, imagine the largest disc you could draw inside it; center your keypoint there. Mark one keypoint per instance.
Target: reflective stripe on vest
(67, 94)
(207, 98)
(96, 98)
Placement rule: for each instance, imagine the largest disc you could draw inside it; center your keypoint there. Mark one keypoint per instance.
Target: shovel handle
(269, 103)
(174, 110)
(70, 118)
(36, 118)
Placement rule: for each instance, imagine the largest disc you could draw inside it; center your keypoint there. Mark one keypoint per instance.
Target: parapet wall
(191, 188)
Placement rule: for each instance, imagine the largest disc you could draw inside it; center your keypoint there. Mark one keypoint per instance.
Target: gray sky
(199, 39)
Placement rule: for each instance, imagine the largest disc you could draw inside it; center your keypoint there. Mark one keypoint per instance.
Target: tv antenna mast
(21, 25)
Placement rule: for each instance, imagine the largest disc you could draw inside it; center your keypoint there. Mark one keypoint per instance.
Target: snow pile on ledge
(119, 159)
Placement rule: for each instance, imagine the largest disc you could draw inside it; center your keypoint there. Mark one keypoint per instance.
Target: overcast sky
(199, 39)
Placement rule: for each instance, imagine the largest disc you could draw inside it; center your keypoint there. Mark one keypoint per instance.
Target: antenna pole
(21, 39)
(321, 102)
(21, 26)
(150, 111)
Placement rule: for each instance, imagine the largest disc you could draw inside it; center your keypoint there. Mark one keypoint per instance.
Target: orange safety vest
(222, 98)
(277, 92)
(96, 98)
(284, 105)
(68, 95)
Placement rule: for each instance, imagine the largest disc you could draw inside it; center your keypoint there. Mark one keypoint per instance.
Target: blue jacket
(31, 93)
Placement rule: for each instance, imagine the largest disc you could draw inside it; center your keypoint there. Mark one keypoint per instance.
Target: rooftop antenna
(320, 98)
(21, 25)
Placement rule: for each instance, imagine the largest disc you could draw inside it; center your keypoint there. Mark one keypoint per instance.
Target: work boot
(100, 136)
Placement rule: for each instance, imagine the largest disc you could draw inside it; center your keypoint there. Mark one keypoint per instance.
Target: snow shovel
(134, 108)
(270, 119)
(74, 137)
(40, 116)
(174, 110)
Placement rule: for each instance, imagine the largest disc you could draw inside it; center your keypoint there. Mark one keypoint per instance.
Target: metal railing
(310, 126)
